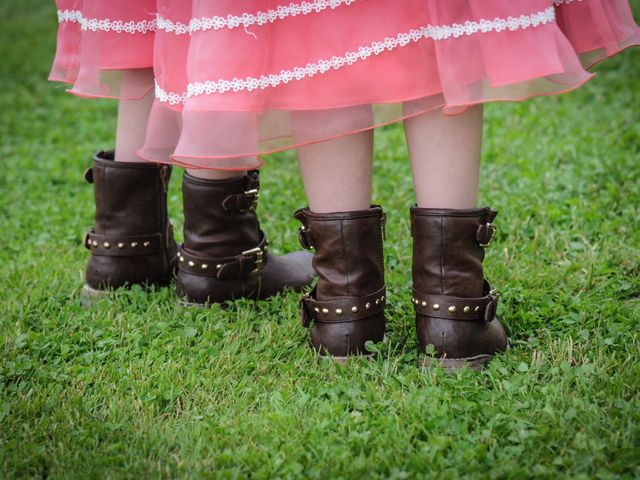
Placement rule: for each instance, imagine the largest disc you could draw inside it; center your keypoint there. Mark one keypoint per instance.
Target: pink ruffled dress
(238, 79)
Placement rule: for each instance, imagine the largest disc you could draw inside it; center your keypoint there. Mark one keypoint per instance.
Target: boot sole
(223, 303)
(205, 306)
(346, 360)
(90, 296)
(184, 303)
(450, 365)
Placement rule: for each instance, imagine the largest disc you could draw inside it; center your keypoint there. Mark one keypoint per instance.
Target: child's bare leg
(337, 173)
(445, 158)
(133, 116)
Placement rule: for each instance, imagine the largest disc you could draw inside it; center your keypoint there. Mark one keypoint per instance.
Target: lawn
(141, 387)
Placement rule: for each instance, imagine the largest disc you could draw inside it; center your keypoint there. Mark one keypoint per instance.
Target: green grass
(140, 387)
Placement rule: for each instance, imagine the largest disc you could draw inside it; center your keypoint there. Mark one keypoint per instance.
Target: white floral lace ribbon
(200, 24)
(105, 24)
(436, 33)
(249, 19)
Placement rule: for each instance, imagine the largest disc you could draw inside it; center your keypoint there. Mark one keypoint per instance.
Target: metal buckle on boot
(259, 257)
(88, 175)
(492, 305)
(492, 228)
(254, 203)
(87, 240)
(304, 237)
(305, 318)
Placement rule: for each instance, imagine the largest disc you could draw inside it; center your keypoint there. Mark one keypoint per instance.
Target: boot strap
(242, 202)
(123, 246)
(457, 308)
(225, 268)
(341, 309)
(485, 234)
(246, 201)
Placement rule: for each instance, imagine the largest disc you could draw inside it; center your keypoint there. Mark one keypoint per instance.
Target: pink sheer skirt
(236, 80)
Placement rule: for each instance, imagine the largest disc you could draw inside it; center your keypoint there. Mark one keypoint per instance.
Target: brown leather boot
(346, 307)
(455, 306)
(224, 255)
(131, 241)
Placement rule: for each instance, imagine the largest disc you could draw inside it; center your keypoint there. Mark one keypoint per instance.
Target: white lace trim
(248, 19)
(69, 16)
(557, 3)
(106, 25)
(388, 44)
(168, 26)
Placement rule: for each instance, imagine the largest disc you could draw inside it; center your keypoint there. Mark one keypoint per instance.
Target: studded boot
(225, 254)
(346, 307)
(455, 306)
(131, 241)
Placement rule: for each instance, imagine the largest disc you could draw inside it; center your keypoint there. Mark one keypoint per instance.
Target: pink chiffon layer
(100, 42)
(234, 80)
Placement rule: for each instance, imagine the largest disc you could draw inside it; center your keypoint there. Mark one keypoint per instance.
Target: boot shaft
(448, 251)
(130, 198)
(348, 251)
(219, 215)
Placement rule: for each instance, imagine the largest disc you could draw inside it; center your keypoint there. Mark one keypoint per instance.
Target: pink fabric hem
(598, 60)
(82, 94)
(179, 163)
(180, 159)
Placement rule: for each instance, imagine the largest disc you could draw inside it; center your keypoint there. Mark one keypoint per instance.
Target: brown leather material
(350, 266)
(131, 241)
(222, 232)
(448, 253)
